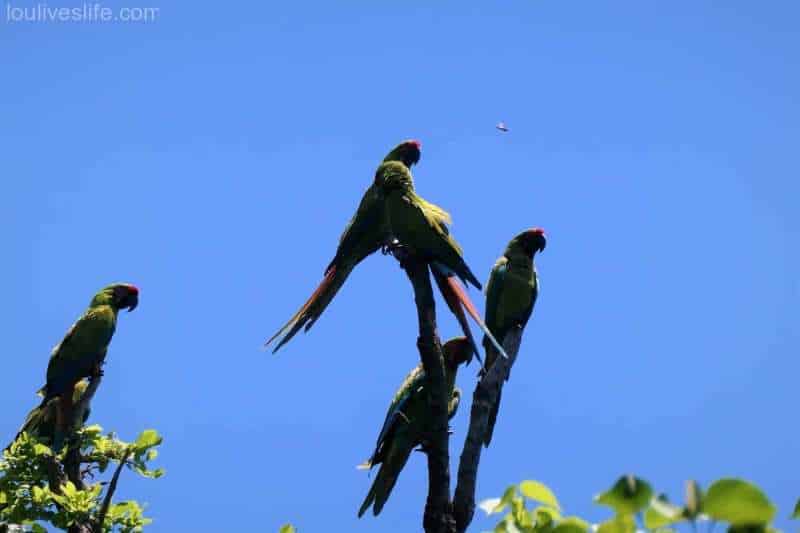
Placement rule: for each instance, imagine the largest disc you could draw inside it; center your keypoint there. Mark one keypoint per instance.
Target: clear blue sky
(213, 157)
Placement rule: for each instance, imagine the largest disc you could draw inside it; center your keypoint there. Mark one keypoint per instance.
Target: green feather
(405, 421)
(41, 420)
(419, 224)
(511, 294)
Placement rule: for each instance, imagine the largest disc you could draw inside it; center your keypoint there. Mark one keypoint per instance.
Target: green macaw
(405, 423)
(41, 421)
(510, 296)
(82, 351)
(365, 233)
(421, 227)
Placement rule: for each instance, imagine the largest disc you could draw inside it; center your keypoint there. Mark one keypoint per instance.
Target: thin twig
(483, 400)
(110, 491)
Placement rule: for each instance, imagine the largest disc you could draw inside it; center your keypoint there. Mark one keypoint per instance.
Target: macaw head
(407, 152)
(118, 296)
(456, 351)
(531, 241)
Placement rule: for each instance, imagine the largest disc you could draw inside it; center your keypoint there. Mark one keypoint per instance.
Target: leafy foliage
(533, 508)
(544, 517)
(28, 494)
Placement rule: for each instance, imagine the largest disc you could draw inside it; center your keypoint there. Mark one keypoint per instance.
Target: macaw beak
(543, 244)
(131, 302)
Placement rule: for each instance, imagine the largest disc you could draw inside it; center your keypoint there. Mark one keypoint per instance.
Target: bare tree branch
(72, 459)
(112, 487)
(483, 400)
(438, 517)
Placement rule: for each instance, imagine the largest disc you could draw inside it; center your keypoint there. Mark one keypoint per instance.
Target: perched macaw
(365, 233)
(422, 227)
(510, 296)
(41, 421)
(82, 351)
(405, 423)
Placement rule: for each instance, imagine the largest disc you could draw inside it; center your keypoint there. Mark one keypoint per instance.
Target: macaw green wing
(494, 290)
(510, 296)
(411, 386)
(41, 420)
(81, 351)
(364, 233)
(398, 449)
(419, 225)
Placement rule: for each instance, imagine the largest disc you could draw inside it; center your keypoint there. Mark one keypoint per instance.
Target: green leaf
(629, 495)
(622, 523)
(661, 513)
(147, 439)
(41, 450)
(36, 528)
(546, 515)
(796, 513)
(508, 497)
(502, 526)
(539, 492)
(39, 495)
(69, 489)
(490, 506)
(571, 525)
(737, 502)
(520, 514)
(287, 528)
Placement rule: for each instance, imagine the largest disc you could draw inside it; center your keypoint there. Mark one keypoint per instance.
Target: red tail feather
(326, 281)
(459, 292)
(453, 283)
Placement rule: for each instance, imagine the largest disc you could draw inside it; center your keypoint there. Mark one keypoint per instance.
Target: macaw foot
(97, 371)
(390, 246)
(396, 249)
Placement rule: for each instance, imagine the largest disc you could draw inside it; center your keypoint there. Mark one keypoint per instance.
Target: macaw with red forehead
(81, 353)
(422, 227)
(365, 233)
(510, 296)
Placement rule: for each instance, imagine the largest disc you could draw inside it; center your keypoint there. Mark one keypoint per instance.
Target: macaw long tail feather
(311, 310)
(63, 417)
(387, 476)
(461, 294)
(451, 298)
(369, 499)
